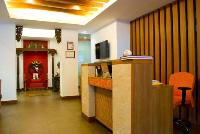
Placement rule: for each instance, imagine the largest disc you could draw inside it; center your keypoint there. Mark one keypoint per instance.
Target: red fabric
(182, 79)
(29, 57)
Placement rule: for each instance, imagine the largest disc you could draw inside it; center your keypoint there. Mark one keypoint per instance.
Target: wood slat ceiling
(76, 7)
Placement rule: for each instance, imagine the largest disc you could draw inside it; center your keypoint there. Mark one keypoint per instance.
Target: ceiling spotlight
(76, 8)
(84, 32)
(30, 1)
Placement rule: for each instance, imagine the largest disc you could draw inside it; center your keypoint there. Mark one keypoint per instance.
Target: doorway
(84, 51)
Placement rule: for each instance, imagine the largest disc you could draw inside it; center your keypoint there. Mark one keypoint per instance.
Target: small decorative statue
(35, 66)
(58, 70)
(127, 52)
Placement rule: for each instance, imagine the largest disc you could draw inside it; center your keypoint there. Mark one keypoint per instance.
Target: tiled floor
(50, 115)
(46, 115)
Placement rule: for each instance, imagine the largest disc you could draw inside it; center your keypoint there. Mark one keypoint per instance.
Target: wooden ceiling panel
(77, 7)
(94, 3)
(30, 6)
(57, 5)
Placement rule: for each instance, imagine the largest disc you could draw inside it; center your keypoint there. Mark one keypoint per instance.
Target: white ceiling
(122, 10)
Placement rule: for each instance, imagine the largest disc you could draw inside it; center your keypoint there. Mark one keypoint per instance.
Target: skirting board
(103, 125)
(89, 119)
(10, 102)
(93, 119)
(69, 97)
(23, 89)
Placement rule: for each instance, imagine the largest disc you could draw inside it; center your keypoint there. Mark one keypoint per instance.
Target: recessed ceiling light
(76, 7)
(29, 1)
(84, 32)
(42, 33)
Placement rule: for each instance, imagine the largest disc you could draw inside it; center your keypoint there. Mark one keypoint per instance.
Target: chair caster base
(183, 124)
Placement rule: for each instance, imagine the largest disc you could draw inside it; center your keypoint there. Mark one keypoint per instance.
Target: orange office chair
(182, 79)
(183, 87)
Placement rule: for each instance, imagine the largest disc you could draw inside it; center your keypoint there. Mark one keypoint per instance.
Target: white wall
(117, 34)
(123, 38)
(8, 71)
(68, 66)
(107, 33)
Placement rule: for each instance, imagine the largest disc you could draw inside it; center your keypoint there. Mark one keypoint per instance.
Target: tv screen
(102, 50)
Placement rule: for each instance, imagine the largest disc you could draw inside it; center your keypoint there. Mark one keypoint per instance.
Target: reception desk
(127, 103)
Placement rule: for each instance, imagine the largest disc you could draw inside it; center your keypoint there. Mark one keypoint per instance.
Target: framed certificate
(70, 45)
(70, 54)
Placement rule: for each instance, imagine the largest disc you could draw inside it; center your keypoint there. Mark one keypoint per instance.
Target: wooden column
(52, 54)
(18, 83)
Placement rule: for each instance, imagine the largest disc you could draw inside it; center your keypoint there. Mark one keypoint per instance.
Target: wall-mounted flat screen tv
(102, 50)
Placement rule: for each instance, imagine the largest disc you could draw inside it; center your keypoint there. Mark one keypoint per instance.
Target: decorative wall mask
(19, 30)
(58, 35)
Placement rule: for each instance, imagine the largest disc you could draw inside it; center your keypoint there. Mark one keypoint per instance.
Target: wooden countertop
(118, 61)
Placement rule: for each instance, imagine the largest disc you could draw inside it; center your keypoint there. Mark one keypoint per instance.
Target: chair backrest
(182, 79)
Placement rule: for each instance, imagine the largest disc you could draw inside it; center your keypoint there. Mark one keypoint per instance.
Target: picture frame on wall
(70, 54)
(70, 45)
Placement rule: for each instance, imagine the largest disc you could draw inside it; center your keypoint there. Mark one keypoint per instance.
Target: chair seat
(178, 101)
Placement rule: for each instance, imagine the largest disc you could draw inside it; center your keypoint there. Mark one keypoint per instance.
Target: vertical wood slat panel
(133, 37)
(142, 35)
(157, 46)
(191, 46)
(151, 40)
(183, 36)
(146, 19)
(179, 43)
(169, 41)
(138, 37)
(198, 47)
(163, 46)
(191, 37)
(175, 37)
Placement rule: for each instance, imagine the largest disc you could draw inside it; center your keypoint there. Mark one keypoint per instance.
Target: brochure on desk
(130, 57)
